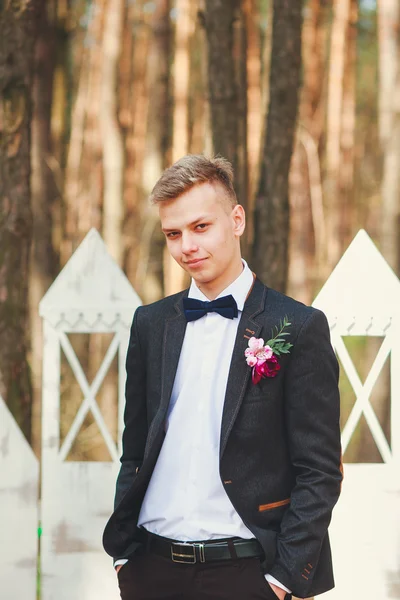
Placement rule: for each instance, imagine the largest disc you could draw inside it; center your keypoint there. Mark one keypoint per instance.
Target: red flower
(269, 368)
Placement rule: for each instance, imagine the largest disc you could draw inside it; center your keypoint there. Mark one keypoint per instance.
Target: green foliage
(278, 344)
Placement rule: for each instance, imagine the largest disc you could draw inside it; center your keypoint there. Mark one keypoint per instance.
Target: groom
(231, 460)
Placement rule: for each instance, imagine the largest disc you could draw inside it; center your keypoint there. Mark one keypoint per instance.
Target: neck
(211, 289)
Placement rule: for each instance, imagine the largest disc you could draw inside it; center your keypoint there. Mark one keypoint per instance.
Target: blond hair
(191, 170)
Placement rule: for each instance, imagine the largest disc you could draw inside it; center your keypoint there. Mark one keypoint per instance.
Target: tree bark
(241, 81)
(347, 134)
(174, 276)
(272, 203)
(389, 128)
(254, 112)
(307, 225)
(17, 34)
(228, 117)
(138, 108)
(43, 258)
(312, 113)
(198, 86)
(149, 267)
(333, 130)
(112, 143)
(83, 189)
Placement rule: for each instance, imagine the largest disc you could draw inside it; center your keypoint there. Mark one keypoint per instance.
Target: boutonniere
(263, 357)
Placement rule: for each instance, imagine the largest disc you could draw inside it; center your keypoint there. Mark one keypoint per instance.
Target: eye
(202, 225)
(172, 234)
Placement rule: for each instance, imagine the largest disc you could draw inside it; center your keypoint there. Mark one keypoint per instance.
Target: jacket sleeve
(135, 413)
(312, 409)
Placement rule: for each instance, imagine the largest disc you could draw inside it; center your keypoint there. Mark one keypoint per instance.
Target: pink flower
(251, 360)
(261, 359)
(257, 350)
(256, 344)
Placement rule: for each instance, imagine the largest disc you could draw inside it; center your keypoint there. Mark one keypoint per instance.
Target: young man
(231, 448)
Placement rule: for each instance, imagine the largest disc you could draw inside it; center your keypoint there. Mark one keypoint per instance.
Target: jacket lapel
(239, 371)
(174, 333)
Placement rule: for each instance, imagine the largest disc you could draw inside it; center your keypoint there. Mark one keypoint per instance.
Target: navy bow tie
(195, 309)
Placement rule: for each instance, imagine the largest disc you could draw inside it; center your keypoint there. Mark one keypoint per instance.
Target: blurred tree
(83, 169)
(43, 258)
(174, 276)
(347, 134)
(389, 127)
(254, 112)
(226, 52)
(135, 81)
(307, 225)
(240, 44)
(147, 259)
(337, 64)
(18, 22)
(111, 135)
(199, 105)
(272, 202)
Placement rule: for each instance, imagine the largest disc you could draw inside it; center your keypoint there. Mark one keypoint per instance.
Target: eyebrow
(203, 218)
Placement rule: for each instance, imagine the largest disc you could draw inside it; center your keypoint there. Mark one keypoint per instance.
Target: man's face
(203, 231)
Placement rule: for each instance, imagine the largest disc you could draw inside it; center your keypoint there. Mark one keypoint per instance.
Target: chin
(206, 277)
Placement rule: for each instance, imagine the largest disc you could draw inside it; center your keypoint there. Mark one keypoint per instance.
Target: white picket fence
(92, 295)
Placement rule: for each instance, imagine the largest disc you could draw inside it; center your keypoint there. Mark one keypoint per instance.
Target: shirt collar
(238, 288)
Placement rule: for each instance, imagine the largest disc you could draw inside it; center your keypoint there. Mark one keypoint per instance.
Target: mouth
(195, 262)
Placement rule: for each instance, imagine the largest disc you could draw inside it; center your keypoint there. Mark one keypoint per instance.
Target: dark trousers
(152, 577)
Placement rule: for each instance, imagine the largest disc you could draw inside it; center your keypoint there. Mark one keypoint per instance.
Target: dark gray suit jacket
(280, 454)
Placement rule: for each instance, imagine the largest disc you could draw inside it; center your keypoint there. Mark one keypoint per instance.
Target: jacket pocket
(271, 505)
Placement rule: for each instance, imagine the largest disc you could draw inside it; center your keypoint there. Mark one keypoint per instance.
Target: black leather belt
(201, 552)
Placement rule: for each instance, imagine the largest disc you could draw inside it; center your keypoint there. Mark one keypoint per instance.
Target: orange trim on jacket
(272, 505)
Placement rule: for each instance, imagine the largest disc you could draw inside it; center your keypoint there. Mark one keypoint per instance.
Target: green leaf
(277, 342)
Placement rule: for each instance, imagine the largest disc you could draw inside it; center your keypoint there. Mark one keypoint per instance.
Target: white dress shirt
(185, 499)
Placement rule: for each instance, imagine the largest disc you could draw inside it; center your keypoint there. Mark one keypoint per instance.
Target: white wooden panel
(90, 295)
(91, 289)
(77, 501)
(365, 534)
(19, 484)
(362, 287)
(362, 298)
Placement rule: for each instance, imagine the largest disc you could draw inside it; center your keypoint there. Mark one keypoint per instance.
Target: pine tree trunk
(174, 276)
(17, 34)
(112, 143)
(389, 128)
(83, 189)
(333, 130)
(133, 107)
(254, 113)
(272, 203)
(198, 112)
(149, 267)
(347, 134)
(43, 258)
(241, 82)
(226, 115)
(307, 225)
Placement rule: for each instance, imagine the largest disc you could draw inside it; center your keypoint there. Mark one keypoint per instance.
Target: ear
(238, 220)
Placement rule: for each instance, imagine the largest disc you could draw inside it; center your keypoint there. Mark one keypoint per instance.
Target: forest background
(97, 97)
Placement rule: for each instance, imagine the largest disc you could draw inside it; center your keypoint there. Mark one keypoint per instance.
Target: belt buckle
(187, 559)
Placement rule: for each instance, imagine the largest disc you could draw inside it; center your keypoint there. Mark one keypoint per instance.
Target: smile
(195, 263)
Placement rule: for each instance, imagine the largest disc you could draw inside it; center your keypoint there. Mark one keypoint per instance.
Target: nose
(188, 244)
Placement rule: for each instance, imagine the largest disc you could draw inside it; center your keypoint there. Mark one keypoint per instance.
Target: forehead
(198, 202)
